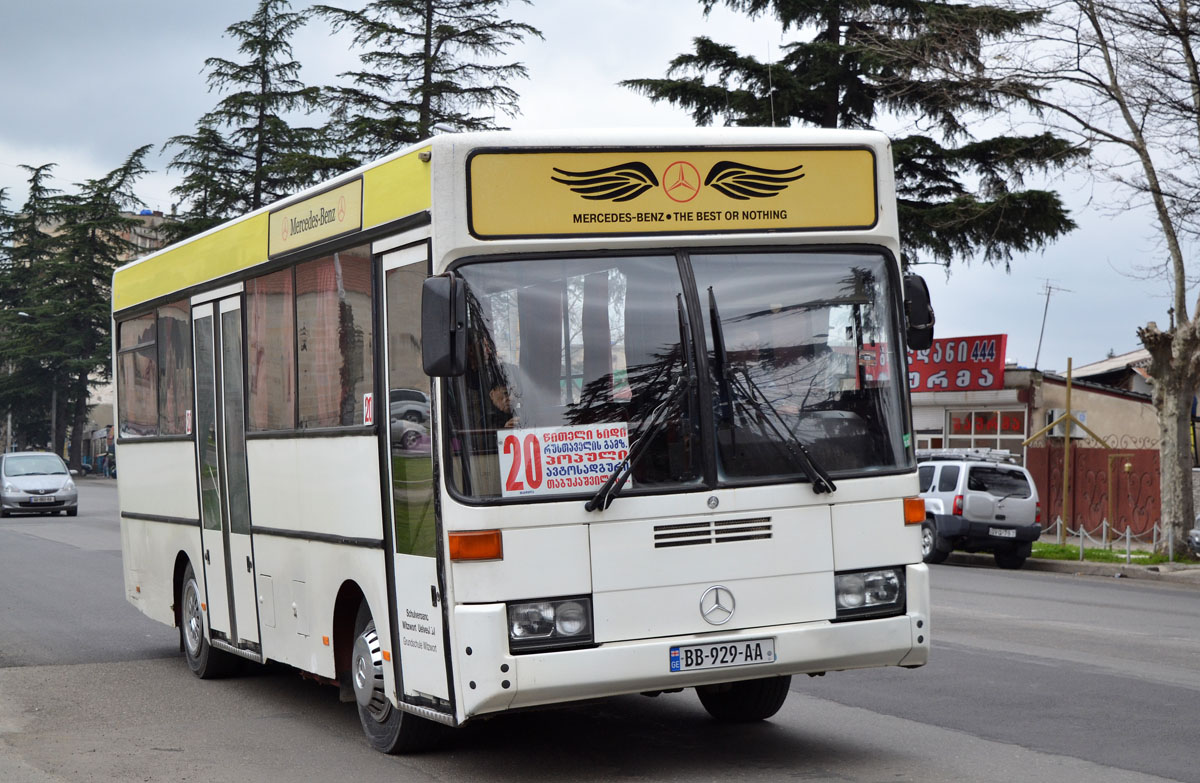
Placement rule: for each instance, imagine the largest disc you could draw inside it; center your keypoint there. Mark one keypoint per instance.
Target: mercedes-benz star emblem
(717, 605)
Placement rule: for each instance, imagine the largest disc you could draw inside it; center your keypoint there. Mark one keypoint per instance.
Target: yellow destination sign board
(323, 216)
(681, 191)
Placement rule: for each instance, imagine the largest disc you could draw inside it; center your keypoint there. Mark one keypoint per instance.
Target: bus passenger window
(174, 367)
(137, 376)
(334, 338)
(271, 352)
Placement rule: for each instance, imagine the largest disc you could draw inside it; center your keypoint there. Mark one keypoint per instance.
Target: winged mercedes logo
(624, 182)
(743, 182)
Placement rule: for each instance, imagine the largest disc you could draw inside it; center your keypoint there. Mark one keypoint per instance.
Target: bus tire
(205, 662)
(746, 701)
(388, 729)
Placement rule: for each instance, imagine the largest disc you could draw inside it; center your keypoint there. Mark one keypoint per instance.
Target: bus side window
(154, 372)
(334, 338)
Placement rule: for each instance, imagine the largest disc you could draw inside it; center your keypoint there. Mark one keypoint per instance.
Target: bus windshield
(581, 357)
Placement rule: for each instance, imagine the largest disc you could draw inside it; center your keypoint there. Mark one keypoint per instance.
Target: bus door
(221, 461)
(422, 635)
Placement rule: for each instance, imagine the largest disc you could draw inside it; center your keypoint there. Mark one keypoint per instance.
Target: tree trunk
(78, 425)
(1174, 387)
(59, 435)
(1174, 456)
(425, 121)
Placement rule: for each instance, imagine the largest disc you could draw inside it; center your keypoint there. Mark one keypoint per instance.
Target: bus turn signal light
(914, 511)
(477, 545)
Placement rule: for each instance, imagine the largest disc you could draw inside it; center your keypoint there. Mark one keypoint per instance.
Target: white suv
(978, 500)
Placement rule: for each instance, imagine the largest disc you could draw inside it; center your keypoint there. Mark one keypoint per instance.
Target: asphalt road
(1034, 677)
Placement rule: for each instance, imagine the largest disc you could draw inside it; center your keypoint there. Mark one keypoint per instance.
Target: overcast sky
(89, 81)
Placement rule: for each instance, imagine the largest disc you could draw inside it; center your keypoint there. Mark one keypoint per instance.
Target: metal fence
(1105, 537)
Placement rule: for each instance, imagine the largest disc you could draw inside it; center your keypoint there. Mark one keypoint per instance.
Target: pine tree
(245, 153)
(959, 197)
(27, 381)
(97, 221)
(213, 184)
(7, 308)
(425, 62)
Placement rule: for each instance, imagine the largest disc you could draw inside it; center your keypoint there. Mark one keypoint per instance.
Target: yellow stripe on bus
(395, 189)
(391, 190)
(228, 250)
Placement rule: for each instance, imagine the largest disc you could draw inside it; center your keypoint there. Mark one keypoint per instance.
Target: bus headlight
(549, 624)
(878, 592)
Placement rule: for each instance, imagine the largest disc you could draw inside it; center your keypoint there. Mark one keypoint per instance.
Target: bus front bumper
(491, 679)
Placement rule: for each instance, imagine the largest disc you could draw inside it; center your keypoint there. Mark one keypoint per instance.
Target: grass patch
(1046, 551)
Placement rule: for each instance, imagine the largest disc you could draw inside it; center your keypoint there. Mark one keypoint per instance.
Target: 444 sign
(959, 364)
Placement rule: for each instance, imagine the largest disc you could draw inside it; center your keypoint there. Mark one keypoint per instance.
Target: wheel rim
(926, 540)
(367, 669)
(193, 619)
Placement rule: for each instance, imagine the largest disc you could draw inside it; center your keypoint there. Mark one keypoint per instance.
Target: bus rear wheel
(388, 729)
(746, 701)
(205, 662)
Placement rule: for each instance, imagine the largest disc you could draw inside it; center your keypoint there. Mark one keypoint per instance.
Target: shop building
(965, 397)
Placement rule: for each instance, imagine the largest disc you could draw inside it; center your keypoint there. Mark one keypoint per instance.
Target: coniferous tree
(98, 221)
(57, 256)
(7, 304)
(959, 197)
(213, 185)
(27, 381)
(245, 153)
(425, 62)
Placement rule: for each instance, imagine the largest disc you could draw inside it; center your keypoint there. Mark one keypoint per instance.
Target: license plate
(1002, 532)
(720, 654)
(41, 499)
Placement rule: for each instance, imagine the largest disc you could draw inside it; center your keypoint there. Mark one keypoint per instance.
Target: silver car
(978, 500)
(36, 482)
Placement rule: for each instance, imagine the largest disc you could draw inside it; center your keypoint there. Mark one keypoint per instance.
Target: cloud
(91, 81)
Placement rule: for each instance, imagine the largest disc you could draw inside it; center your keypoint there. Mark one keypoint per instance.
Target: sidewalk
(1173, 573)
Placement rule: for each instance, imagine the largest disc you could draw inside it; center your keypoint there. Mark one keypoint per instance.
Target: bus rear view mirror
(444, 326)
(918, 313)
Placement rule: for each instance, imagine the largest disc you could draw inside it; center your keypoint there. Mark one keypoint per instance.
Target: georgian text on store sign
(958, 364)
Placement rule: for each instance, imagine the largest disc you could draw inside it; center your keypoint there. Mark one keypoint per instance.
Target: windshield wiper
(720, 357)
(655, 424)
(791, 445)
(795, 450)
(679, 390)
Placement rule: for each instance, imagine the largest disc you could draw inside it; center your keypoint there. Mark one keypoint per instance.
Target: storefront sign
(959, 364)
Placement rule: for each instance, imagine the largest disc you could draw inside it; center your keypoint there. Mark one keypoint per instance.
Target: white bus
(512, 419)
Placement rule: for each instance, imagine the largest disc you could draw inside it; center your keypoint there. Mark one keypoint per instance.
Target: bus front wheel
(205, 662)
(746, 701)
(388, 729)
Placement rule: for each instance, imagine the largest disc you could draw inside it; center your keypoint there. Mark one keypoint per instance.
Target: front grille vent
(712, 532)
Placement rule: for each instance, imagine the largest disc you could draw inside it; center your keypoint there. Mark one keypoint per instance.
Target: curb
(1172, 573)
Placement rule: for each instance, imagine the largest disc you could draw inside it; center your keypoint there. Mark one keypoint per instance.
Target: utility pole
(1048, 290)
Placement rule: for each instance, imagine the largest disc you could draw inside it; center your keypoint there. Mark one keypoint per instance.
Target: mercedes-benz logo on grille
(717, 605)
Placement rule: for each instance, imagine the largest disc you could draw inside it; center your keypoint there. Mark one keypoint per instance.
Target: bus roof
(373, 195)
(540, 186)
